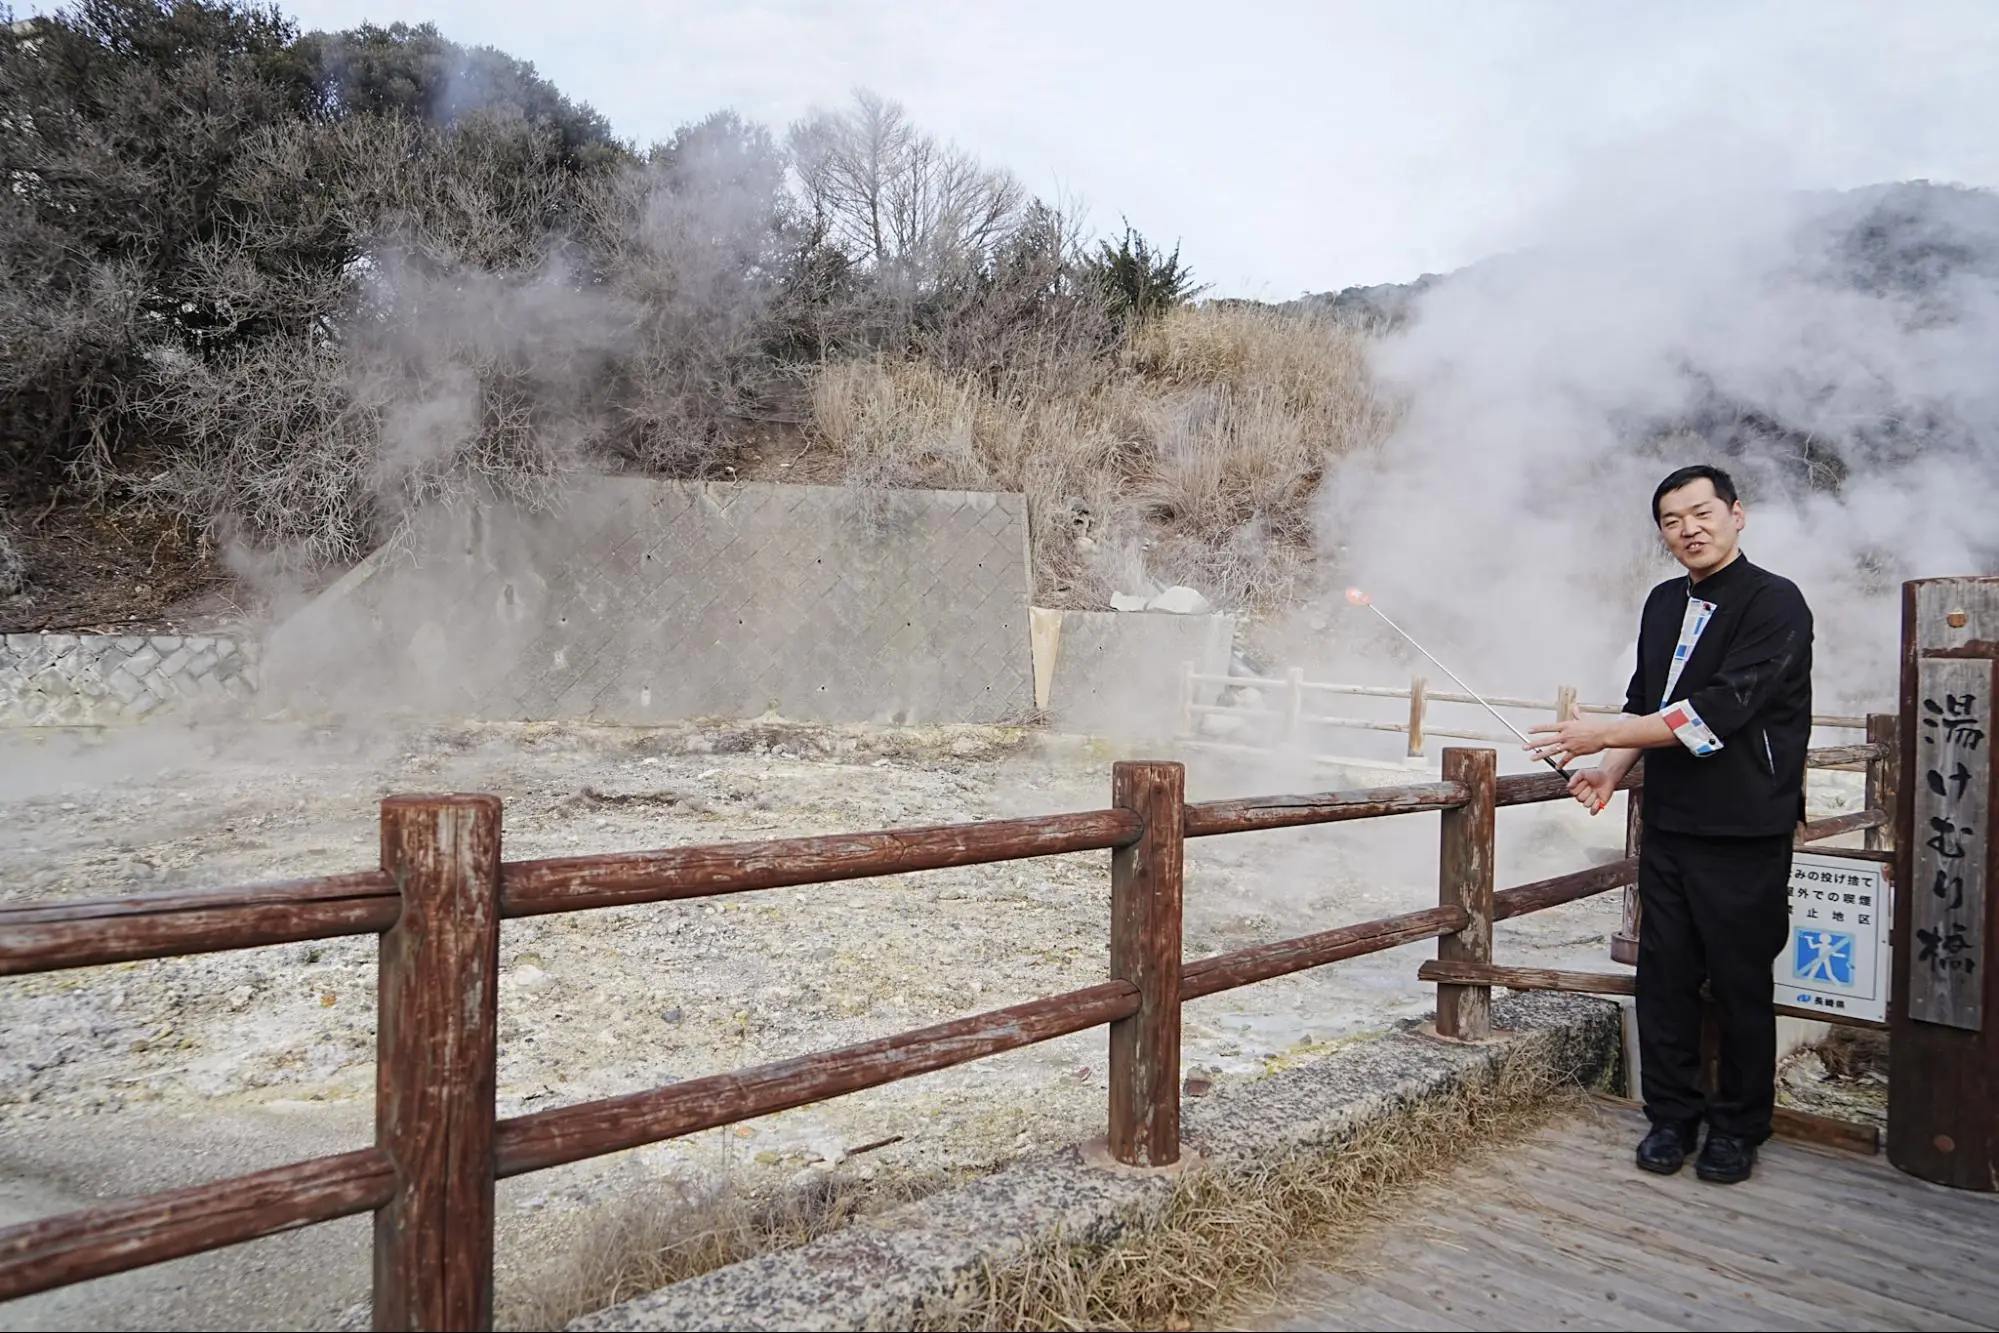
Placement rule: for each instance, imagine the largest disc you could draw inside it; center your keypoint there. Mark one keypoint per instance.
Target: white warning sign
(1837, 956)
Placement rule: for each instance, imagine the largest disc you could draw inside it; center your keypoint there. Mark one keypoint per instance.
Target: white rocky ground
(152, 1075)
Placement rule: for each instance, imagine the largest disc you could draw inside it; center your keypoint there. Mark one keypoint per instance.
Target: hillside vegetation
(269, 292)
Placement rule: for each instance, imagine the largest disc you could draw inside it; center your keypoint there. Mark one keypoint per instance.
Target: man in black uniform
(1720, 710)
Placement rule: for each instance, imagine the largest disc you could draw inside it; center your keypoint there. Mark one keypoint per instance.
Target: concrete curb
(888, 1272)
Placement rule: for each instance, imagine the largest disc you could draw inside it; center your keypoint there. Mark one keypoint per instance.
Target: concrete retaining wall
(641, 601)
(53, 680)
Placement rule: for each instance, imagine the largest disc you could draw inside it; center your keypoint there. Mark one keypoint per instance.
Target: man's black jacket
(1741, 707)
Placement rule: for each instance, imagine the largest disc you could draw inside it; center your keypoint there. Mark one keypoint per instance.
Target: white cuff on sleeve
(1690, 730)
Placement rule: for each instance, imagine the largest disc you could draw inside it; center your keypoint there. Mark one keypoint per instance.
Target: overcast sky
(1295, 146)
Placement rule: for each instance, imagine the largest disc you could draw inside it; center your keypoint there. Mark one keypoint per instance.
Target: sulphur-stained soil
(143, 1076)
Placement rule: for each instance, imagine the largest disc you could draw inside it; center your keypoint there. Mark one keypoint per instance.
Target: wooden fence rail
(441, 892)
(1293, 688)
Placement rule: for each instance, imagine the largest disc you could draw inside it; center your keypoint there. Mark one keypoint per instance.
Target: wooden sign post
(1943, 1065)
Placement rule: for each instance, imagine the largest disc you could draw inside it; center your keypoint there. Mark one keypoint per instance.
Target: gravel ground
(150, 1075)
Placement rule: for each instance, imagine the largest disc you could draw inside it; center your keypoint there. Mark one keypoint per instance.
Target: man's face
(1701, 529)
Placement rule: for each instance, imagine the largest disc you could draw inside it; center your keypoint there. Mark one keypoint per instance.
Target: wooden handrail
(1449, 972)
(573, 1133)
(114, 1237)
(1832, 756)
(573, 883)
(1262, 962)
(1593, 983)
(326, 888)
(1250, 813)
(1536, 788)
(1545, 893)
(1857, 822)
(49, 938)
(1296, 682)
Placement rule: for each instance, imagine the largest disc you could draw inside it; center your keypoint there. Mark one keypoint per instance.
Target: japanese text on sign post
(1947, 892)
(1837, 960)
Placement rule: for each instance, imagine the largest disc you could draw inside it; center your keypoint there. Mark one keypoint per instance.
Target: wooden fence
(442, 890)
(1290, 715)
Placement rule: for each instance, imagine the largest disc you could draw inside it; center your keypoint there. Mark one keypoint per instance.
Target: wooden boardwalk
(1564, 1232)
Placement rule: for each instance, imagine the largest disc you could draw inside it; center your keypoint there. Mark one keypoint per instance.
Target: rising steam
(1833, 351)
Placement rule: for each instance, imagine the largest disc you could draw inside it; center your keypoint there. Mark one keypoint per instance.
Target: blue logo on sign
(1823, 955)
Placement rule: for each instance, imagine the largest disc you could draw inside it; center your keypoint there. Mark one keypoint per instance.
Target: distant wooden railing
(1290, 715)
(441, 892)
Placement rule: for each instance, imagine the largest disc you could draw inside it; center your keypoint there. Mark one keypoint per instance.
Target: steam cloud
(1832, 350)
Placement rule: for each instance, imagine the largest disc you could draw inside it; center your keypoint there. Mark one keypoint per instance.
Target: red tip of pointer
(1359, 598)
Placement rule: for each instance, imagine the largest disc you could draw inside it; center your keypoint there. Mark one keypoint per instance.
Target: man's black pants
(1714, 910)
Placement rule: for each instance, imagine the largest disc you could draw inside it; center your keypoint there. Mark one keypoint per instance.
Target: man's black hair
(1724, 486)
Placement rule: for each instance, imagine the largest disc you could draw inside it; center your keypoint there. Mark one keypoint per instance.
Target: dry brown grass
(1231, 1238)
(1191, 458)
(1312, 366)
(645, 1239)
(1844, 1076)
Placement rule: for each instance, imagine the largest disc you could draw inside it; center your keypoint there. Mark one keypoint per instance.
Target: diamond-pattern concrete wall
(53, 680)
(640, 601)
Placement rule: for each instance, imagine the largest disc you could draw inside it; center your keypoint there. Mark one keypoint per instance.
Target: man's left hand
(1574, 739)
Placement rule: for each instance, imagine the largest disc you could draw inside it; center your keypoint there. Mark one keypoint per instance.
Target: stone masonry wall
(54, 680)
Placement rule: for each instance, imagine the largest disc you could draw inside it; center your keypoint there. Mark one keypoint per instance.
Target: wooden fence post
(436, 1063)
(1464, 879)
(1145, 950)
(1883, 729)
(1943, 1001)
(1418, 690)
(1294, 702)
(1624, 943)
(1565, 703)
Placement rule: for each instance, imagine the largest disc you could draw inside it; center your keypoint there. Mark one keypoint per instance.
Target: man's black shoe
(1725, 1159)
(1665, 1149)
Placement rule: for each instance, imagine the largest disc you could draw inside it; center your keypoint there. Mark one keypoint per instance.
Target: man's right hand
(1593, 787)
